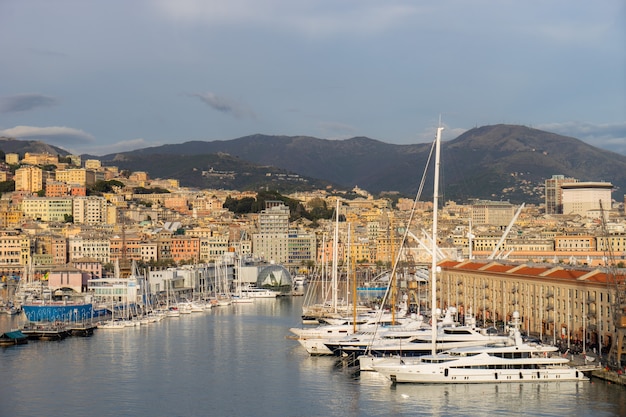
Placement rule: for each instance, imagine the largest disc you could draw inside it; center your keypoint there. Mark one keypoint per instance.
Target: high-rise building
(554, 193)
(271, 243)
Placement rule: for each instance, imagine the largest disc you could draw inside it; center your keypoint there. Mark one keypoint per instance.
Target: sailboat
(507, 361)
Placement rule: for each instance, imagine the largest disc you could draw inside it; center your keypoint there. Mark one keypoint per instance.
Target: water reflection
(237, 361)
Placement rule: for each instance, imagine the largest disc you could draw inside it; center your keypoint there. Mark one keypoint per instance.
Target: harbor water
(237, 361)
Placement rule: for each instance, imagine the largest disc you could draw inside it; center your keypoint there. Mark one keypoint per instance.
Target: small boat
(14, 337)
(255, 292)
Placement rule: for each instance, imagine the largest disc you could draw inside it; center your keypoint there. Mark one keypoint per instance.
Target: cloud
(224, 105)
(54, 135)
(25, 102)
(315, 18)
(121, 146)
(609, 136)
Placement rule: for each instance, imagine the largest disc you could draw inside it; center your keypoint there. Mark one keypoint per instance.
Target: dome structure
(275, 277)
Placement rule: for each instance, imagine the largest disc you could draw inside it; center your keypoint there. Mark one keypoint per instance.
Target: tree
(7, 186)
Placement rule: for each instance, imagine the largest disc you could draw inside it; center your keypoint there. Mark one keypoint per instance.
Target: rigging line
(402, 243)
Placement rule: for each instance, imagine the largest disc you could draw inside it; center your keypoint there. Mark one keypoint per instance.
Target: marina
(237, 361)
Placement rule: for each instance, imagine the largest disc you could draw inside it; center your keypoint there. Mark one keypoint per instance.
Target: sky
(104, 76)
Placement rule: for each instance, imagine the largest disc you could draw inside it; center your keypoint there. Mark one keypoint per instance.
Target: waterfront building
(28, 178)
(67, 276)
(554, 193)
(555, 302)
(587, 198)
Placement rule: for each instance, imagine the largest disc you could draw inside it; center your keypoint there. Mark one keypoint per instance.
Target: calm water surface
(237, 361)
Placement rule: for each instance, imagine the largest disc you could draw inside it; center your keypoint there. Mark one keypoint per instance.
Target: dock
(610, 376)
(45, 331)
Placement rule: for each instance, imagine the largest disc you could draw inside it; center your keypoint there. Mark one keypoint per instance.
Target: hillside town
(58, 227)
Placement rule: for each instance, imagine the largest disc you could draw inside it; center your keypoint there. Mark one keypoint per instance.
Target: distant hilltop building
(585, 198)
(12, 158)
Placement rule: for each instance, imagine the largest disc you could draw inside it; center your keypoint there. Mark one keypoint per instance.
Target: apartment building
(48, 209)
(89, 210)
(15, 250)
(90, 246)
(29, 178)
(81, 176)
(213, 247)
(52, 246)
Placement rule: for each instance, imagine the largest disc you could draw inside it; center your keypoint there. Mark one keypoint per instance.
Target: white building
(89, 210)
(90, 246)
(583, 198)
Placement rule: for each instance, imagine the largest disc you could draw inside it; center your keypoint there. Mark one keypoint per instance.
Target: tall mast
(433, 268)
(335, 256)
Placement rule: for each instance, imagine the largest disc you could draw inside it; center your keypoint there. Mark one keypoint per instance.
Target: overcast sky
(113, 75)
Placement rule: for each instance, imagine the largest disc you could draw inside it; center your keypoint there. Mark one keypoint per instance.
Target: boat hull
(469, 376)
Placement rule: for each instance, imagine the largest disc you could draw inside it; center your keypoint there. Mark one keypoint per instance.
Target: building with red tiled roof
(555, 302)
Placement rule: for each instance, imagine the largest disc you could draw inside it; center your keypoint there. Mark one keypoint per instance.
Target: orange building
(185, 248)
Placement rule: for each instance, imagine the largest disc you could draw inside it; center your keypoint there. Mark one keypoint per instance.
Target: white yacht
(498, 363)
(316, 339)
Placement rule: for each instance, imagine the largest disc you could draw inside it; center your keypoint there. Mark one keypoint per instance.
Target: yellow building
(93, 164)
(29, 178)
(80, 176)
(40, 159)
(12, 158)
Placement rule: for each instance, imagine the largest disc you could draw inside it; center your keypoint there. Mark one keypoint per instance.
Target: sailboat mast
(433, 268)
(335, 256)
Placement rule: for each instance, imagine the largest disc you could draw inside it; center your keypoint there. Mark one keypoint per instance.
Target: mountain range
(496, 162)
